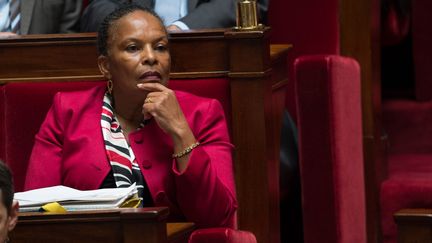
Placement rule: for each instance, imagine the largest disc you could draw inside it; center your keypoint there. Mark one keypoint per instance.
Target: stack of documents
(74, 200)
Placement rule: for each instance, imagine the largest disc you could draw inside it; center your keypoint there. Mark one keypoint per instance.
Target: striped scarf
(122, 159)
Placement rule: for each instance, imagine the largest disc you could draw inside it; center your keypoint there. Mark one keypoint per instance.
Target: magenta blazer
(69, 150)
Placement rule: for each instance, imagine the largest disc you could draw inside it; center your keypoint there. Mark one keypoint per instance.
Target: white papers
(72, 199)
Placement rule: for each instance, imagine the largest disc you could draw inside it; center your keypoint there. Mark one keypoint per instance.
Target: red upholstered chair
(409, 183)
(395, 21)
(311, 26)
(218, 89)
(23, 107)
(421, 48)
(328, 98)
(407, 119)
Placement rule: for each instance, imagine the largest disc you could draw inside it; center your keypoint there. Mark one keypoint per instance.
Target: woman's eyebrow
(134, 39)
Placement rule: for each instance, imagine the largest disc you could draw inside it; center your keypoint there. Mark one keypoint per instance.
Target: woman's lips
(150, 76)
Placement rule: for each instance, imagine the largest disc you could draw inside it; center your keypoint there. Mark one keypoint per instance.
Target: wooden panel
(122, 225)
(44, 57)
(360, 39)
(74, 56)
(257, 106)
(208, 51)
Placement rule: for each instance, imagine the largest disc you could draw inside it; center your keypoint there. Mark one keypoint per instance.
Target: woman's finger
(152, 87)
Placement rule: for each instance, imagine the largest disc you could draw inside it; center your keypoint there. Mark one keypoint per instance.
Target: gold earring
(110, 86)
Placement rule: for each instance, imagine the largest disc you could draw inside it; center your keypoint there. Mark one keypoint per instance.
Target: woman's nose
(148, 56)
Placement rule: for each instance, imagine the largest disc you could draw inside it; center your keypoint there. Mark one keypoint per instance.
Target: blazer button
(138, 138)
(147, 164)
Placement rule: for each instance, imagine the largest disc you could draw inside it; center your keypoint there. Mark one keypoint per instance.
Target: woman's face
(137, 52)
(3, 222)
(7, 220)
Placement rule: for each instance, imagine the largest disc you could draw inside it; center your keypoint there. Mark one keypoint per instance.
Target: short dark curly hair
(109, 21)
(6, 186)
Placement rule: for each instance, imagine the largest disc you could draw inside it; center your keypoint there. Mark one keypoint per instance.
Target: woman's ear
(13, 216)
(104, 66)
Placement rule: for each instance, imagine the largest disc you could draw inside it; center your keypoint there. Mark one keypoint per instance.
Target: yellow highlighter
(53, 207)
(131, 203)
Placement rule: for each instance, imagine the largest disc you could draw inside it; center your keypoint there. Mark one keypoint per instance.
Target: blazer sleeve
(45, 161)
(211, 14)
(95, 13)
(71, 16)
(206, 189)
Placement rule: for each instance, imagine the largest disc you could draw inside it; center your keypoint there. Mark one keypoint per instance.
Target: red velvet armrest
(330, 149)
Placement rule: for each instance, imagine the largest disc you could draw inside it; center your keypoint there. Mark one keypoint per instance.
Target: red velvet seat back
(216, 88)
(422, 48)
(409, 63)
(331, 151)
(23, 107)
(408, 122)
(311, 26)
(26, 105)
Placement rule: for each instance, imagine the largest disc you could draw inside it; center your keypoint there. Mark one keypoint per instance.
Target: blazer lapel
(27, 8)
(100, 160)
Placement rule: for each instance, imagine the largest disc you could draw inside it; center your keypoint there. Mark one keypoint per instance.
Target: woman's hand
(161, 104)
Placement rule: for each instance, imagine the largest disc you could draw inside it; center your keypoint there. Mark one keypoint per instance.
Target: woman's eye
(161, 47)
(132, 48)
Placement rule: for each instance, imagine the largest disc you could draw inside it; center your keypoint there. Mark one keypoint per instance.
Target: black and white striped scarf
(122, 159)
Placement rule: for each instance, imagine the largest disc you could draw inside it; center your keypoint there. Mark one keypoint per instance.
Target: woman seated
(174, 145)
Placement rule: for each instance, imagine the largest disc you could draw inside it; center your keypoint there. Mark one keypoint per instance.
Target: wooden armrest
(119, 225)
(179, 232)
(414, 225)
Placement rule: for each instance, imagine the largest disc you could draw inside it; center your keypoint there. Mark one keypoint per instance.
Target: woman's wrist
(185, 151)
(183, 140)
